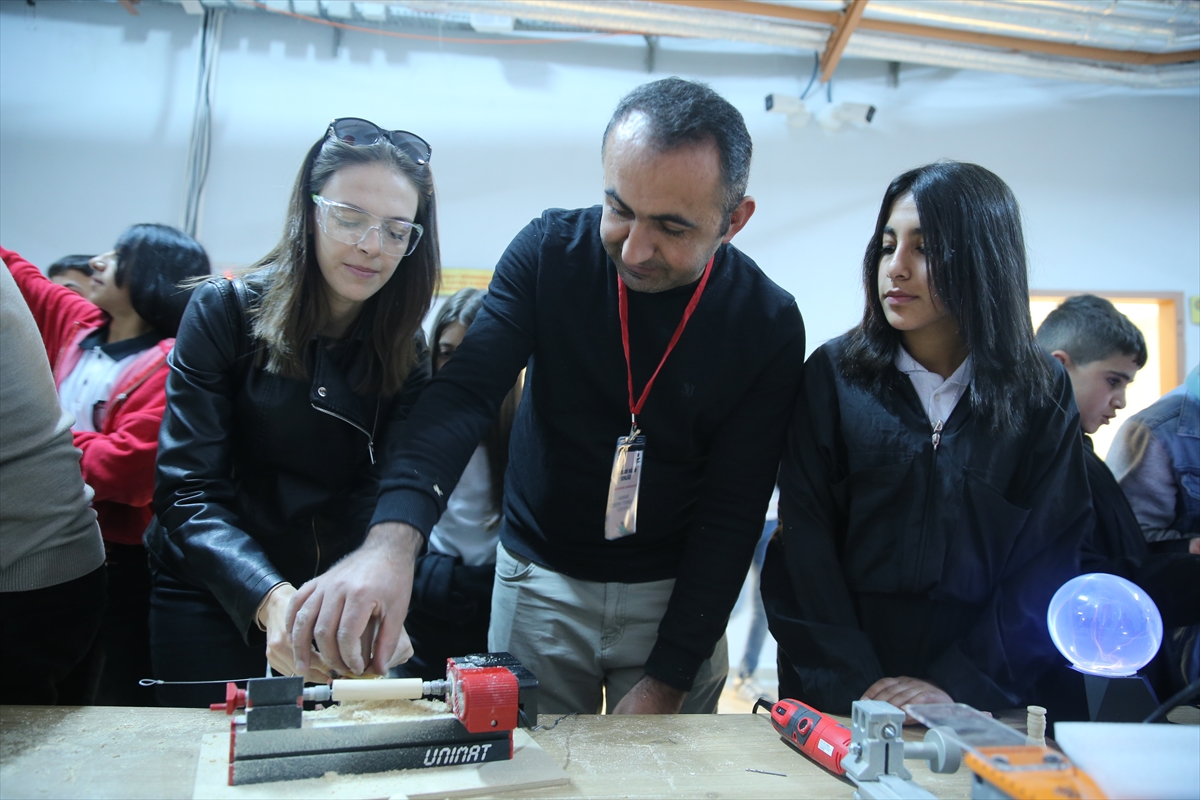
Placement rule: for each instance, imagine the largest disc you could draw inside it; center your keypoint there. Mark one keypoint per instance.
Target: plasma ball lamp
(1105, 625)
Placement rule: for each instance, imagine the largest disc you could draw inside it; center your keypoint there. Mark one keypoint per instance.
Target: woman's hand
(903, 690)
(272, 616)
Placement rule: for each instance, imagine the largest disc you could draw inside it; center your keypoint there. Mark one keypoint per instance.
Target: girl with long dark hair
(287, 387)
(933, 494)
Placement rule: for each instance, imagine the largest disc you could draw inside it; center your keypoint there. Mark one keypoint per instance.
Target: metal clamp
(875, 761)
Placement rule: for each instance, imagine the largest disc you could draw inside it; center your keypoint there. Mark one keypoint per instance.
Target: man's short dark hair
(77, 263)
(683, 113)
(1089, 328)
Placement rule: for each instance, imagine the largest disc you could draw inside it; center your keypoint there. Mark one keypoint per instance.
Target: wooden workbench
(63, 752)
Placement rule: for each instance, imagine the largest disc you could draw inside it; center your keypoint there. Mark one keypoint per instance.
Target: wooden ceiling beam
(759, 10)
(1029, 45)
(840, 36)
(1018, 44)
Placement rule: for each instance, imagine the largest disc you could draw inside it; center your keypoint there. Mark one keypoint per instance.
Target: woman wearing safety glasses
(286, 387)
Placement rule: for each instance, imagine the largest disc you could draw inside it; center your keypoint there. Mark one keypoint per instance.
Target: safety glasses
(351, 225)
(353, 130)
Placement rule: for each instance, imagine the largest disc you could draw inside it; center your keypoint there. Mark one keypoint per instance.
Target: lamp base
(1119, 699)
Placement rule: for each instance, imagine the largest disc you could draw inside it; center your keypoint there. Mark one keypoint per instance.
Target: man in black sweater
(634, 314)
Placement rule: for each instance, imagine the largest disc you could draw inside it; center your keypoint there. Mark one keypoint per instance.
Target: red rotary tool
(817, 736)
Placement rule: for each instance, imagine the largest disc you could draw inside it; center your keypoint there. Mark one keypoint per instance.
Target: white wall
(95, 111)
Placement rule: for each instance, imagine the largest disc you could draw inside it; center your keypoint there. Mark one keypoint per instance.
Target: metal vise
(875, 761)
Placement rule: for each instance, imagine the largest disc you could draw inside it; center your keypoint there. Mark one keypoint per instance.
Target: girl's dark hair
(975, 256)
(294, 305)
(462, 307)
(159, 263)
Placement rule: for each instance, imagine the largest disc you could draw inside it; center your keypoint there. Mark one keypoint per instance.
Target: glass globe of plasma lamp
(1105, 625)
(1108, 628)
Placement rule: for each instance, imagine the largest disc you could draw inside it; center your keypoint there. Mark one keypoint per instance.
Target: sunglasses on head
(355, 131)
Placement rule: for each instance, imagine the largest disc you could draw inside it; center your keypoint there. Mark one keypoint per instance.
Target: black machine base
(1126, 699)
(285, 755)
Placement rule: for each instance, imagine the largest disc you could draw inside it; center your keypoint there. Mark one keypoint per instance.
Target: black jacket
(899, 559)
(262, 478)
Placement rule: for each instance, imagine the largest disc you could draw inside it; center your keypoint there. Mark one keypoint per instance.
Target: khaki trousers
(586, 641)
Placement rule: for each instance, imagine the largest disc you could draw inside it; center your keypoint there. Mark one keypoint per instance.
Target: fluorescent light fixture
(492, 23)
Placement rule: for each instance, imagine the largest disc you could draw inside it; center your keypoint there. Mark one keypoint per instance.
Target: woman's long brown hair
(294, 305)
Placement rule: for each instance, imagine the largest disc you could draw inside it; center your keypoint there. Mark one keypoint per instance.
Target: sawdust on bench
(381, 710)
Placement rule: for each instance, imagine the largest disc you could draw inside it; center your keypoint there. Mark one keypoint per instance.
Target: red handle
(235, 698)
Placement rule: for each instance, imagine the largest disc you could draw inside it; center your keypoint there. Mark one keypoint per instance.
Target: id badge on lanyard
(620, 516)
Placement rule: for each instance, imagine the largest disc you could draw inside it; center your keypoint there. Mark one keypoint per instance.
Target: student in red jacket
(109, 359)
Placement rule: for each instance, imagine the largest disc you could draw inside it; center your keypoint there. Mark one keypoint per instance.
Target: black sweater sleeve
(363, 501)
(462, 401)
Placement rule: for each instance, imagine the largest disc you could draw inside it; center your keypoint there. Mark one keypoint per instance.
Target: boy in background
(1102, 351)
(73, 272)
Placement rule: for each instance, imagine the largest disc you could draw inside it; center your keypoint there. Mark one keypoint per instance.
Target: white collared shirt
(86, 391)
(938, 397)
(470, 526)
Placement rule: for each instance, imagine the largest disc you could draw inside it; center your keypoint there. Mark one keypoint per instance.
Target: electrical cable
(1182, 696)
(816, 63)
(156, 682)
(200, 143)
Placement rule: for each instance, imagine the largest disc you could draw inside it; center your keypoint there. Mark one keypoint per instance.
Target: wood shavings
(380, 711)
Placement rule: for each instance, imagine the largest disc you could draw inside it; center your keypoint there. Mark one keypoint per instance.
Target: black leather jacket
(263, 478)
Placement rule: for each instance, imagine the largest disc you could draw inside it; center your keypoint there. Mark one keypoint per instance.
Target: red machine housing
(483, 698)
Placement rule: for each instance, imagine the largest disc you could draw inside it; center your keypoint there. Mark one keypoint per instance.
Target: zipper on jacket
(317, 541)
(370, 436)
(929, 495)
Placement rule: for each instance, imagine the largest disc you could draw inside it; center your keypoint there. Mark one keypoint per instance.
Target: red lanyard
(623, 307)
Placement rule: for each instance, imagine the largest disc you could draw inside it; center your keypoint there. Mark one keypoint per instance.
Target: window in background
(1159, 316)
